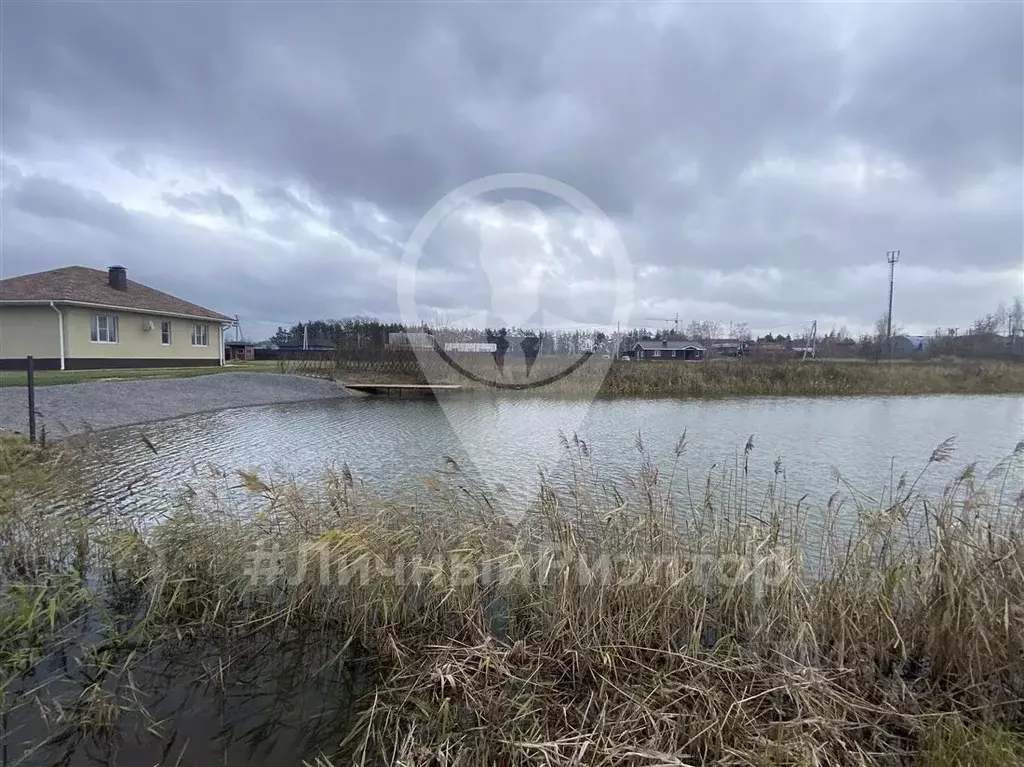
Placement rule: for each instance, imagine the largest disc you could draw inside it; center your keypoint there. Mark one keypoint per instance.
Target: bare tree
(986, 326)
(1016, 315)
(741, 331)
(704, 331)
(882, 327)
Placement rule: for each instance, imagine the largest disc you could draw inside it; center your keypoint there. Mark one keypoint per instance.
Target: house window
(656, 353)
(165, 332)
(104, 329)
(200, 335)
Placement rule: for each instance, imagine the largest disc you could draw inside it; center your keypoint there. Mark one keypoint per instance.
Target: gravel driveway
(71, 409)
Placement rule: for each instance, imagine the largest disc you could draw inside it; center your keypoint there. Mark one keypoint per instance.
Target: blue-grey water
(391, 444)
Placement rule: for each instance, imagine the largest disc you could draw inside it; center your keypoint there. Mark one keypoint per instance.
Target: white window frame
(110, 324)
(170, 332)
(657, 353)
(200, 329)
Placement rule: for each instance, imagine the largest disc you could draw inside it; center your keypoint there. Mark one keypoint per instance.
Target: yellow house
(75, 318)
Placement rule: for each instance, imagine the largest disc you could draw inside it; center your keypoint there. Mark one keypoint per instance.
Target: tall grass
(610, 625)
(716, 378)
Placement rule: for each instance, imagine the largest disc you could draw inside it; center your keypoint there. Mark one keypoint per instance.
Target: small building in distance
(772, 350)
(239, 351)
(666, 351)
(729, 347)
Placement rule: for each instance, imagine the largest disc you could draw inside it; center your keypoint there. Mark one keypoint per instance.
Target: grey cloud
(253, 278)
(132, 160)
(952, 107)
(51, 199)
(656, 112)
(279, 197)
(211, 201)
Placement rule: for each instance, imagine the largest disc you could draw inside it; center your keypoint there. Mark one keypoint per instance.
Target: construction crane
(663, 319)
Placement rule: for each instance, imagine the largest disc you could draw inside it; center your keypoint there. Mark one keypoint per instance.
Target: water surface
(851, 443)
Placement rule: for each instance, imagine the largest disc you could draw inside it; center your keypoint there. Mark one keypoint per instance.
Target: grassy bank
(58, 377)
(609, 627)
(720, 378)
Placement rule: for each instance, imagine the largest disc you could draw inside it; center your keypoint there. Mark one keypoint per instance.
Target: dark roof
(647, 345)
(79, 284)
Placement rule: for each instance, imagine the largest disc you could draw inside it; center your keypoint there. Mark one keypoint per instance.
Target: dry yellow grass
(587, 634)
(717, 378)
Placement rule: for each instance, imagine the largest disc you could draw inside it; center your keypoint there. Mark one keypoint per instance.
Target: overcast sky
(757, 160)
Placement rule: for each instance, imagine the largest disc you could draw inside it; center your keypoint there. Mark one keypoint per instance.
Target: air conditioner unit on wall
(148, 325)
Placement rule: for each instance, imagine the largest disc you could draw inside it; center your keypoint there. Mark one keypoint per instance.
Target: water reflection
(258, 700)
(852, 445)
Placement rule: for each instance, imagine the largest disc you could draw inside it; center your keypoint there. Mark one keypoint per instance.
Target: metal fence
(340, 365)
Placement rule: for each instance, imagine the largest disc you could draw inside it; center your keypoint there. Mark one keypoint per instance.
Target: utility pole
(893, 257)
(812, 342)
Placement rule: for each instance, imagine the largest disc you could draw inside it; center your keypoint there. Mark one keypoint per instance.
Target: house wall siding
(34, 330)
(29, 330)
(134, 342)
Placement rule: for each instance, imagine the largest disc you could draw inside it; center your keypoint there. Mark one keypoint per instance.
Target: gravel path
(77, 408)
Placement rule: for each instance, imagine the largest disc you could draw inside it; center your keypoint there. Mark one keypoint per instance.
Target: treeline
(368, 337)
(359, 336)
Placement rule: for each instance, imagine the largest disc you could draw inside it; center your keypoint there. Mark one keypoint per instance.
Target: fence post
(30, 371)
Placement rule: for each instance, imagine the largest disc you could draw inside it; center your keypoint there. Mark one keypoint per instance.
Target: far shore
(700, 380)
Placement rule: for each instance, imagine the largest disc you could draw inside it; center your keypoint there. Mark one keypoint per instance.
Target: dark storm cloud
(656, 112)
(215, 201)
(59, 203)
(950, 102)
(253, 278)
(132, 160)
(278, 197)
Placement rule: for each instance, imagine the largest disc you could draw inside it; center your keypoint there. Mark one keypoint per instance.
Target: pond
(857, 445)
(242, 704)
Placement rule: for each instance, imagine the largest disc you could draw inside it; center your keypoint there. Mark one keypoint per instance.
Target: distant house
(728, 347)
(239, 351)
(772, 350)
(76, 318)
(659, 351)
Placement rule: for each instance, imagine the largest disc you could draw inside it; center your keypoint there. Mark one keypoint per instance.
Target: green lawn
(54, 377)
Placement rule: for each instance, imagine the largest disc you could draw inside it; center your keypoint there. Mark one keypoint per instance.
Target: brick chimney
(118, 277)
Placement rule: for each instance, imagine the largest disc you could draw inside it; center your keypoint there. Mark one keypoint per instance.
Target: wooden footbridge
(408, 391)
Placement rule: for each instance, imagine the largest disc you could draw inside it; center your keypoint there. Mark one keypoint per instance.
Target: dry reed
(609, 626)
(716, 378)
